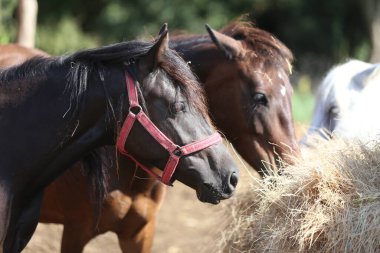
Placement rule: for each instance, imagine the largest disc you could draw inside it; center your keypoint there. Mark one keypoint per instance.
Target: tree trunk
(27, 22)
(375, 30)
(371, 10)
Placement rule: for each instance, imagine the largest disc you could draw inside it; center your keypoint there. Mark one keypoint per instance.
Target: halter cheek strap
(175, 151)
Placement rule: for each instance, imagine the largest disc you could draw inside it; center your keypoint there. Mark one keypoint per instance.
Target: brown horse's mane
(262, 44)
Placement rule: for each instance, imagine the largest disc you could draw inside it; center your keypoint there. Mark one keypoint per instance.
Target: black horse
(53, 111)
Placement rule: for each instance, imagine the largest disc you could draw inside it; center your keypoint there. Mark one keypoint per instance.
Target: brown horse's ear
(231, 47)
(156, 54)
(164, 28)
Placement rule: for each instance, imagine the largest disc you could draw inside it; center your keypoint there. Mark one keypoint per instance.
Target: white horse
(348, 103)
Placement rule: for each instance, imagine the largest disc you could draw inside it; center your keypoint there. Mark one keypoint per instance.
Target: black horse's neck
(47, 123)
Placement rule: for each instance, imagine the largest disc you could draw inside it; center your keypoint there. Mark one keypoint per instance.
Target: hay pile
(328, 202)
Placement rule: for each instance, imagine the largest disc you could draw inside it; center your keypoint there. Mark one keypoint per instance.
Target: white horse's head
(361, 122)
(344, 99)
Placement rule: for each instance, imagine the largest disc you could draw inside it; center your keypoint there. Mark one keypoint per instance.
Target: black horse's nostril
(233, 180)
(231, 185)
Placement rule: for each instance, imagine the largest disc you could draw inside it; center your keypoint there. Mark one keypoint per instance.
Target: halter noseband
(175, 151)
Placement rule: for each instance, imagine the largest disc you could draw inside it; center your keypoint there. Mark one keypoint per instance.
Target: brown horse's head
(250, 94)
(245, 71)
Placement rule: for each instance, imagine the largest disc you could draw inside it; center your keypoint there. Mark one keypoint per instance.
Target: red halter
(175, 151)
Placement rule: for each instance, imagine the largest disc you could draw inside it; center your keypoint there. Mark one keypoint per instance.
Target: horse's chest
(118, 203)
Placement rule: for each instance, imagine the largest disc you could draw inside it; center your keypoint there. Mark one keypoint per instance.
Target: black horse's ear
(164, 28)
(156, 54)
(230, 46)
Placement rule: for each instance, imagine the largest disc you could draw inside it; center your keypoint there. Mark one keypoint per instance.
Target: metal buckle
(135, 109)
(177, 151)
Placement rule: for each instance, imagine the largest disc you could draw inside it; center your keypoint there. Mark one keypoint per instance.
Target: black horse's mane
(30, 69)
(94, 61)
(38, 65)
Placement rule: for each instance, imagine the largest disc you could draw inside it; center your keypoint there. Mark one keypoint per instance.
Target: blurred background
(320, 33)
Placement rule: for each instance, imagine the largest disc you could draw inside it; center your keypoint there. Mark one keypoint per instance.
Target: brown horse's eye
(259, 99)
(177, 107)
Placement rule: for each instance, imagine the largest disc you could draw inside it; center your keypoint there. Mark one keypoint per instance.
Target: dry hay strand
(329, 201)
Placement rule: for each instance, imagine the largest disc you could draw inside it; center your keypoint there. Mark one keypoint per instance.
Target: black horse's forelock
(179, 70)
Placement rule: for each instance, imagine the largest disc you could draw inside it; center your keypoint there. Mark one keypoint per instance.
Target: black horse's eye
(177, 107)
(259, 99)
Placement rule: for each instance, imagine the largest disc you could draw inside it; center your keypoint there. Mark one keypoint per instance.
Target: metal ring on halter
(177, 151)
(136, 109)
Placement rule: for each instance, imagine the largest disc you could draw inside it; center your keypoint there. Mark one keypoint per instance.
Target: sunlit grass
(303, 101)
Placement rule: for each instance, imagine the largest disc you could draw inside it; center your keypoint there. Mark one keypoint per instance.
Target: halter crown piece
(175, 151)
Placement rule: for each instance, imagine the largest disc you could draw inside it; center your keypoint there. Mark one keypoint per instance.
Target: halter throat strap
(175, 151)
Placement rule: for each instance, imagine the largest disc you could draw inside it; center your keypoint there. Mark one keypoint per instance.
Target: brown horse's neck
(127, 177)
(203, 57)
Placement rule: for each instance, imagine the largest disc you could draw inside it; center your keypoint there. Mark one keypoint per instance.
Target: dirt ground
(185, 225)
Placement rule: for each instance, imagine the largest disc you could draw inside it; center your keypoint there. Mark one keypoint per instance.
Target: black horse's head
(173, 100)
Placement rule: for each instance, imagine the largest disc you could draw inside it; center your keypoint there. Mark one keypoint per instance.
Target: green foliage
(65, 26)
(65, 37)
(362, 51)
(4, 39)
(7, 20)
(323, 29)
(332, 30)
(119, 20)
(128, 20)
(303, 101)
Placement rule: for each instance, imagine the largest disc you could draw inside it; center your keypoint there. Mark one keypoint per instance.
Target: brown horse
(14, 54)
(245, 74)
(129, 209)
